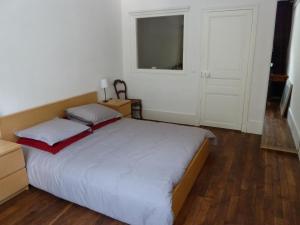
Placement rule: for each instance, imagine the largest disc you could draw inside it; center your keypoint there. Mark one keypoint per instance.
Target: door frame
(250, 64)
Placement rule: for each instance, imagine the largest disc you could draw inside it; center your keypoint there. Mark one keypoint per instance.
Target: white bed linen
(126, 170)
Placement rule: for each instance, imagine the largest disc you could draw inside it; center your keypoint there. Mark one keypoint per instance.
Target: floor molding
(255, 127)
(172, 117)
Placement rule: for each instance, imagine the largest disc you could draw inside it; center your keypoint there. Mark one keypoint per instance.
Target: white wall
(53, 49)
(177, 97)
(294, 76)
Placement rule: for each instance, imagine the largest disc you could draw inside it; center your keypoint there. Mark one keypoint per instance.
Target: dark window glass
(160, 42)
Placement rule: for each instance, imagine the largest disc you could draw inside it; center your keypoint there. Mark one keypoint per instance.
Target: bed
(138, 172)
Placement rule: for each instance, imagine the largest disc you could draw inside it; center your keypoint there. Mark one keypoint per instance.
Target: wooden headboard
(21, 120)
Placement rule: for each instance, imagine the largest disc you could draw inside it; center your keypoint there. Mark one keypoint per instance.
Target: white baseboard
(294, 129)
(255, 127)
(172, 117)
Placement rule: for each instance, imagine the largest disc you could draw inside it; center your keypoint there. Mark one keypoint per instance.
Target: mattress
(126, 170)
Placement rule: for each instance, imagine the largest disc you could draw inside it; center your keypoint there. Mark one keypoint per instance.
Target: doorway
(276, 133)
(227, 43)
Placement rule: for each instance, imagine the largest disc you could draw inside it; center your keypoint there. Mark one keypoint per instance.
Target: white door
(226, 57)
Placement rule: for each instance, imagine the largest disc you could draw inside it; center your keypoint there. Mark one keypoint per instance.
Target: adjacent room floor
(240, 184)
(276, 134)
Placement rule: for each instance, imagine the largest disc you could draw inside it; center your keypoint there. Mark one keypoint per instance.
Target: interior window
(160, 42)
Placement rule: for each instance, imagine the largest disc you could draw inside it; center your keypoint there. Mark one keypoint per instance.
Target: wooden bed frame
(21, 120)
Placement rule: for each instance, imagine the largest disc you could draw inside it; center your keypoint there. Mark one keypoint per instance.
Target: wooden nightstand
(13, 176)
(122, 106)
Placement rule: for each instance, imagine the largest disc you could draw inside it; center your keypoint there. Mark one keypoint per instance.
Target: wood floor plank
(239, 185)
(276, 133)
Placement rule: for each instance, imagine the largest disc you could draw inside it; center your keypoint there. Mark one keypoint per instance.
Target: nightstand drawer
(125, 109)
(11, 162)
(12, 184)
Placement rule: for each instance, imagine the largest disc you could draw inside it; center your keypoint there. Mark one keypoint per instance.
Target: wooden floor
(240, 184)
(276, 135)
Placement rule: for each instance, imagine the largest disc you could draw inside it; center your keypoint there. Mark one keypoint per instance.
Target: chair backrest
(120, 89)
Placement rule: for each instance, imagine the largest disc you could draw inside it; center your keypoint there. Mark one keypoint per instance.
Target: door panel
(229, 113)
(227, 41)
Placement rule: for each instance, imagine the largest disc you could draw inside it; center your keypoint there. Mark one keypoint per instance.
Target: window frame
(157, 13)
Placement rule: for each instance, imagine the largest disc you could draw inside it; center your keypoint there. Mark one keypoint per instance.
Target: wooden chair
(136, 104)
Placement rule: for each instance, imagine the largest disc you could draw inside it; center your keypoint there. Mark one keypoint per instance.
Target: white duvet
(126, 170)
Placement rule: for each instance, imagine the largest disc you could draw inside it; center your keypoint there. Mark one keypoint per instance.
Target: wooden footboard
(186, 183)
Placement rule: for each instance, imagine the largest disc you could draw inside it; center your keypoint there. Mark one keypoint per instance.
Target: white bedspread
(126, 170)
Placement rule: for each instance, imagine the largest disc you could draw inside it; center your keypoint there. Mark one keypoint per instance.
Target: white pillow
(92, 113)
(53, 131)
